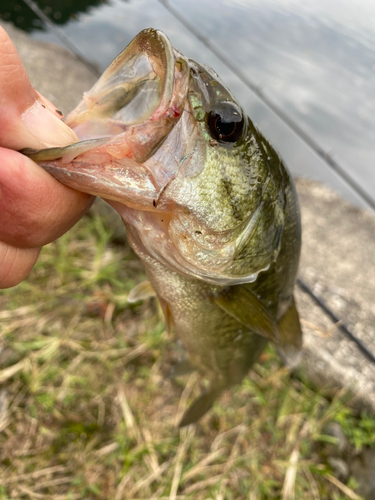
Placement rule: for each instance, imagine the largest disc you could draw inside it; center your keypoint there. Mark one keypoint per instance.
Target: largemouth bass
(208, 206)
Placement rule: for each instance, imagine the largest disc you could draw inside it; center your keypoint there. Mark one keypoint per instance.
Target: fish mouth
(132, 107)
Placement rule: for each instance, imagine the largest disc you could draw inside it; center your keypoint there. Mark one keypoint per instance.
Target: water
(314, 59)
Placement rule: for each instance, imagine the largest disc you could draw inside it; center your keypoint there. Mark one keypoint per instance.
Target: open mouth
(138, 83)
(134, 104)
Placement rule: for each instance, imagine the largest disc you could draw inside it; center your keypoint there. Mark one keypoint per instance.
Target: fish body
(208, 205)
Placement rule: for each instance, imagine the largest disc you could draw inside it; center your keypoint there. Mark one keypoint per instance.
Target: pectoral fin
(290, 332)
(167, 314)
(142, 291)
(245, 306)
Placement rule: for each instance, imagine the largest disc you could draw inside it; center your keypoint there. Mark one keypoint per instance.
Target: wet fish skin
(221, 347)
(208, 205)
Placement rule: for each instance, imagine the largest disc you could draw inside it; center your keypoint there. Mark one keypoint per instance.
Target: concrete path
(338, 262)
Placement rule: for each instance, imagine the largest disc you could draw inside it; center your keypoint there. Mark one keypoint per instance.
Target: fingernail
(46, 128)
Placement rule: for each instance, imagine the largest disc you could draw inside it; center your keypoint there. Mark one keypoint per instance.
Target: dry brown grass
(86, 411)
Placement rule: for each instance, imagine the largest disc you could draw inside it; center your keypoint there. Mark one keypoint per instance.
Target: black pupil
(226, 123)
(223, 128)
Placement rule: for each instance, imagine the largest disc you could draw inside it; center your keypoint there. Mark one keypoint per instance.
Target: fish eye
(225, 122)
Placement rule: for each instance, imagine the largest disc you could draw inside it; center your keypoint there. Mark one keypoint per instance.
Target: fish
(208, 205)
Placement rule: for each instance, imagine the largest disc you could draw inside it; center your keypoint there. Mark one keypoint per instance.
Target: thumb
(26, 119)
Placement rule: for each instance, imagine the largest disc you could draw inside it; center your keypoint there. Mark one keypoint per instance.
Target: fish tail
(200, 406)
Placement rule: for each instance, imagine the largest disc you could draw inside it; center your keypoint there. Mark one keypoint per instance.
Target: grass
(86, 411)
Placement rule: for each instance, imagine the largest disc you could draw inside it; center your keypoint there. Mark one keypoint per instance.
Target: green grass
(89, 414)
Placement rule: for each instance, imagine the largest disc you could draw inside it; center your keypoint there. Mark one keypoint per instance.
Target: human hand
(35, 209)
